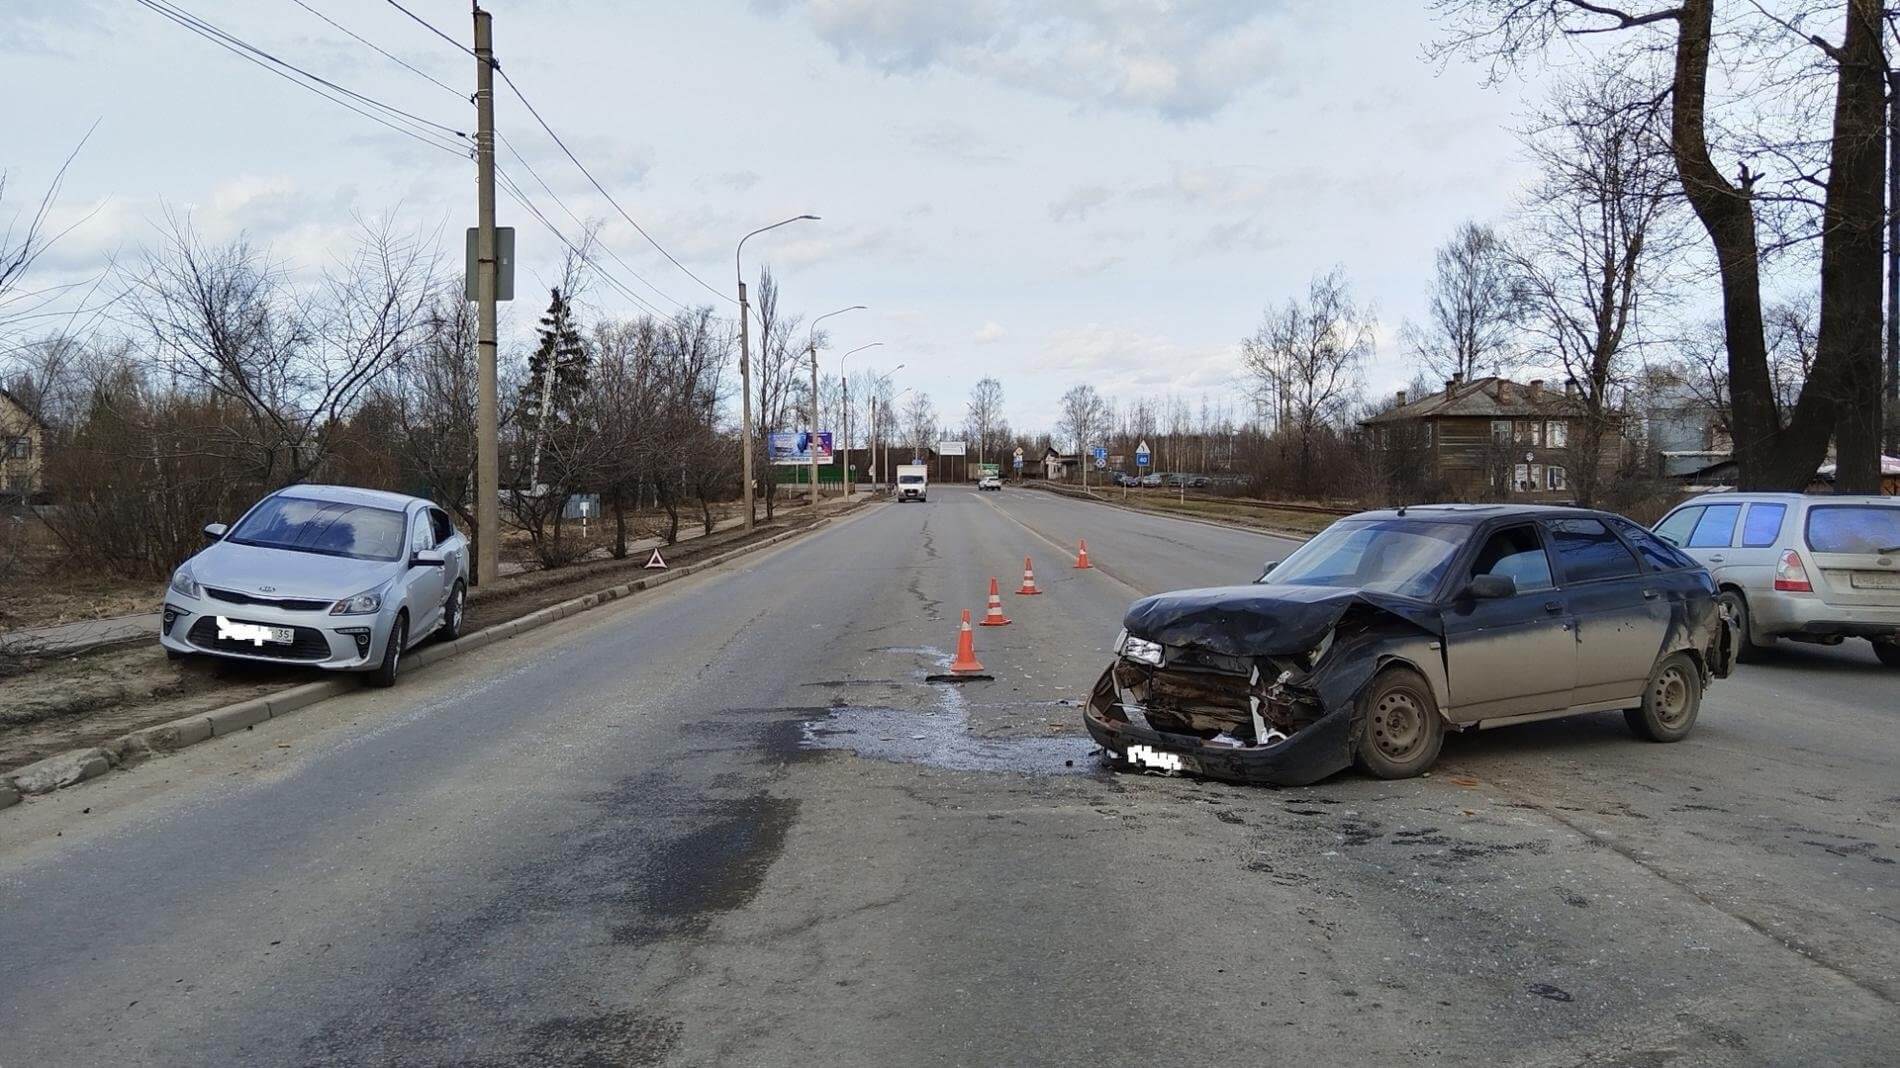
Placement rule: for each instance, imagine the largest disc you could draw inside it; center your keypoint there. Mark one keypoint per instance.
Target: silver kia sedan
(323, 576)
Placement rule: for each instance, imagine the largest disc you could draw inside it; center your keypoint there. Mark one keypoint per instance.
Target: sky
(1050, 193)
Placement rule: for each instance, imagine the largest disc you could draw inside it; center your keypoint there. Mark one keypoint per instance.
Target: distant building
(1056, 466)
(21, 441)
(1492, 437)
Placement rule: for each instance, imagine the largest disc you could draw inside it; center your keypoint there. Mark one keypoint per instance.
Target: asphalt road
(730, 823)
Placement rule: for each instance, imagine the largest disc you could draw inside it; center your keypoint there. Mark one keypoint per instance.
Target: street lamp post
(811, 353)
(844, 392)
(745, 366)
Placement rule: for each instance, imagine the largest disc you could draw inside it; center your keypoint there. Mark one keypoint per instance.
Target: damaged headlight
(1141, 650)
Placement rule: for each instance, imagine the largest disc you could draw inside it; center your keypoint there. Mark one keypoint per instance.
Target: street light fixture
(745, 366)
(844, 387)
(811, 353)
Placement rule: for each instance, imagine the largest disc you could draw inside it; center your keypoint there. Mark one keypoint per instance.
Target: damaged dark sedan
(1389, 628)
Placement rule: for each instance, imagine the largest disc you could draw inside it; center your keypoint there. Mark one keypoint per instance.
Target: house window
(1554, 476)
(1521, 478)
(1430, 431)
(1529, 432)
(19, 448)
(1537, 478)
(1501, 430)
(1557, 434)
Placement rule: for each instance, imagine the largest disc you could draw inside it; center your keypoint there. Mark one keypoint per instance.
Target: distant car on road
(1122, 478)
(1806, 568)
(1153, 480)
(989, 482)
(1388, 628)
(324, 576)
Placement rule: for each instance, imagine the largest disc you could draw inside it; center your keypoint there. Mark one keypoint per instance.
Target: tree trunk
(1848, 342)
(620, 526)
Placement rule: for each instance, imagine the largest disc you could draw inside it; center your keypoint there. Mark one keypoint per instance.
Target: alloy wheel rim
(1398, 725)
(1672, 697)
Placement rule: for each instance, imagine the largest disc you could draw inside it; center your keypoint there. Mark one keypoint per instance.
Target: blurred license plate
(1876, 580)
(232, 630)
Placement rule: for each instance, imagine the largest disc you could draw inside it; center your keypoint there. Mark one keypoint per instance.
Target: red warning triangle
(656, 562)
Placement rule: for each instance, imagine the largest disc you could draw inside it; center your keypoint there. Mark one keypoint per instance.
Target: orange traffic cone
(1082, 558)
(995, 617)
(1029, 580)
(966, 662)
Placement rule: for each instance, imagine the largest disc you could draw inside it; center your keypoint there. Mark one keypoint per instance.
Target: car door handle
(1717, 558)
(1650, 595)
(1553, 607)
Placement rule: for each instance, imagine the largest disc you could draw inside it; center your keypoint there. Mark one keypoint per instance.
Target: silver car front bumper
(335, 643)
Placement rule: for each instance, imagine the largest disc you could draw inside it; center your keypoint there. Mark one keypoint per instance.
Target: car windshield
(1401, 556)
(328, 528)
(909, 479)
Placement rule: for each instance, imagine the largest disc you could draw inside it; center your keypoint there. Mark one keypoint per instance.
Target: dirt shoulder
(57, 703)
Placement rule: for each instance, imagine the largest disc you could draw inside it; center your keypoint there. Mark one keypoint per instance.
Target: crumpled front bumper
(1321, 749)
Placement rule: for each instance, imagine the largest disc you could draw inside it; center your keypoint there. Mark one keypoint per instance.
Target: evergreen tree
(557, 378)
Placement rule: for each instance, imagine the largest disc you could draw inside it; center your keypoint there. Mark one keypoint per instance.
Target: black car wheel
(385, 673)
(1670, 701)
(1400, 731)
(1746, 651)
(1888, 651)
(452, 613)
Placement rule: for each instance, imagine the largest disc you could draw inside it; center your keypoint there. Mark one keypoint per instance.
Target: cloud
(1182, 60)
(989, 333)
(48, 27)
(1079, 203)
(958, 141)
(1213, 186)
(1129, 363)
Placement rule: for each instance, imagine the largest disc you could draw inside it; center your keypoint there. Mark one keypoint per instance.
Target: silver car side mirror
(427, 558)
(215, 531)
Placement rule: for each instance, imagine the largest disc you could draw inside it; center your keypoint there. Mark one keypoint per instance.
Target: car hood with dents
(254, 569)
(1261, 619)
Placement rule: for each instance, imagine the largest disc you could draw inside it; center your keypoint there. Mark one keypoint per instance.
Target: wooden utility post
(487, 464)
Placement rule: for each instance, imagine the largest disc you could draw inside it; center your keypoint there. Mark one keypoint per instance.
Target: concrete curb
(75, 766)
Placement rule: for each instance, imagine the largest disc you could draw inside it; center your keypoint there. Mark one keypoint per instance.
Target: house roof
(15, 401)
(1489, 397)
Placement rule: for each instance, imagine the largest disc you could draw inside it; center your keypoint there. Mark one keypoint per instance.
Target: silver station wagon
(324, 576)
(1798, 567)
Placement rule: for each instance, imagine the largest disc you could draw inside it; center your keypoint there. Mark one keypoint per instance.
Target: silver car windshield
(1400, 556)
(328, 528)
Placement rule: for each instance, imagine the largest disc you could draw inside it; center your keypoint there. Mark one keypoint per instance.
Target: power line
(510, 187)
(251, 54)
(519, 158)
(519, 95)
(424, 23)
(373, 46)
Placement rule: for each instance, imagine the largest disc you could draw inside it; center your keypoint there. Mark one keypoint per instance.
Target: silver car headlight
(1141, 650)
(184, 585)
(361, 604)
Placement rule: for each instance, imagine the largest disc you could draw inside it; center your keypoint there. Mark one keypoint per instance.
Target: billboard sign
(798, 446)
(950, 448)
(986, 470)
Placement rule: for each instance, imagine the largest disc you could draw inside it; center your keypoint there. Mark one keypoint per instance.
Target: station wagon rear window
(1854, 528)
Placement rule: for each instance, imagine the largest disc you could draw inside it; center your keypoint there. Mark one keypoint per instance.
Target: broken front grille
(1207, 704)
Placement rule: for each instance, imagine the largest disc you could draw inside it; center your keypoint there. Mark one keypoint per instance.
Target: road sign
(504, 264)
(656, 562)
(1142, 455)
(1100, 454)
(1019, 459)
(950, 448)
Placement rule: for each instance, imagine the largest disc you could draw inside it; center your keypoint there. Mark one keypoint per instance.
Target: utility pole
(1893, 264)
(745, 402)
(811, 350)
(487, 464)
(844, 394)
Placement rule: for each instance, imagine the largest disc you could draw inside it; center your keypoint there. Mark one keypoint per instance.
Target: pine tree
(557, 378)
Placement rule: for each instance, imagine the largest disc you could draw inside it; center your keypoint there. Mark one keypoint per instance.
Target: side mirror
(1267, 570)
(215, 531)
(1491, 587)
(427, 558)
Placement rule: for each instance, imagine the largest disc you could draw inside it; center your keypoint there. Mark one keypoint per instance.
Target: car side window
(443, 529)
(1675, 529)
(1762, 528)
(1657, 553)
(1588, 551)
(1517, 554)
(1716, 528)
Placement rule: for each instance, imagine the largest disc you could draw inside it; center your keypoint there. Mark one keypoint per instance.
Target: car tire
(1747, 651)
(1888, 651)
(453, 613)
(1671, 700)
(385, 674)
(1399, 731)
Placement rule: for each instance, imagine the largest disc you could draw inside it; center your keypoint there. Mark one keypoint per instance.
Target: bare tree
(781, 388)
(1830, 184)
(1082, 416)
(1474, 309)
(435, 402)
(920, 423)
(984, 415)
(1309, 355)
(1596, 240)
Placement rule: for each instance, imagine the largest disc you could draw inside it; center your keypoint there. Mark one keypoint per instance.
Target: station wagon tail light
(1791, 575)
